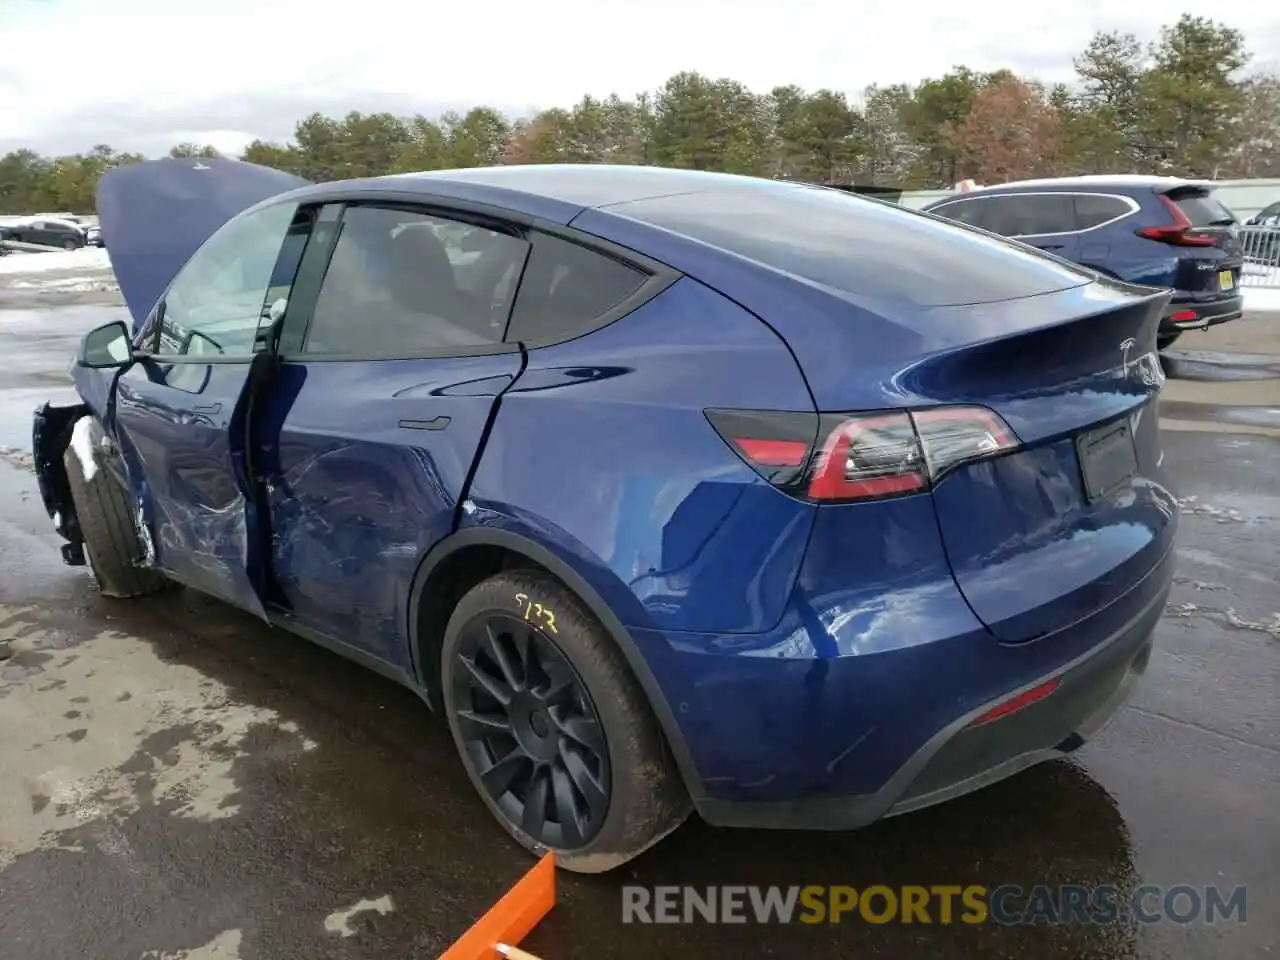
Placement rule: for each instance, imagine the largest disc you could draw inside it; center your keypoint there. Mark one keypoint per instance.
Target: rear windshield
(1202, 208)
(858, 246)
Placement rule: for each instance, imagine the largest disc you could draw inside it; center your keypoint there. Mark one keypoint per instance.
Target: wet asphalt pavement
(176, 780)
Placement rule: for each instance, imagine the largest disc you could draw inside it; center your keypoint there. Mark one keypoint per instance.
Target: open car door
(204, 282)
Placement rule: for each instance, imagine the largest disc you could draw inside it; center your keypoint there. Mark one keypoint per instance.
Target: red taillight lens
(841, 457)
(1180, 232)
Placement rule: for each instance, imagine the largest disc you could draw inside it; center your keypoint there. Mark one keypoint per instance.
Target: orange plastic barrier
(510, 919)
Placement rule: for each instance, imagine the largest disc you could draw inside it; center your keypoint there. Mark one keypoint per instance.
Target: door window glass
(218, 300)
(565, 288)
(404, 284)
(1031, 215)
(963, 211)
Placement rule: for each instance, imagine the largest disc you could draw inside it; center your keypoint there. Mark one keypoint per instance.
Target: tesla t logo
(1125, 347)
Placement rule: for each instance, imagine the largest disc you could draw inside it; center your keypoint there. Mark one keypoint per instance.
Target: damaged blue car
(670, 490)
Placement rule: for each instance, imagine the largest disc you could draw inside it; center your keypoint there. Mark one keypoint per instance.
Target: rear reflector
(775, 453)
(1183, 315)
(1014, 704)
(842, 457)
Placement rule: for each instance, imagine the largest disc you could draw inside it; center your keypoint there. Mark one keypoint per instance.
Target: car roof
(1093, 181)
(557, 192)
(594, 184)
(58, 220)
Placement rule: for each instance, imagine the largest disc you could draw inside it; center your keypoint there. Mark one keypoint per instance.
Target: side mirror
(106, 346)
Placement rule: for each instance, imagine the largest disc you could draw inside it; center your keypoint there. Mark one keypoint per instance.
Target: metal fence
(1261, 256)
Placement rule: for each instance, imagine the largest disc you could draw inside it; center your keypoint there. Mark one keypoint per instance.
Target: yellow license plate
(1226, 280)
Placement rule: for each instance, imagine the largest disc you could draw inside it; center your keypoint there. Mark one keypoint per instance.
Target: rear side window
(1202, 208)
(858, 246)
(1093, 210)
(1030, 215)
(566, 288)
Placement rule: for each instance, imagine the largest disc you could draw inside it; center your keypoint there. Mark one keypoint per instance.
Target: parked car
(1261, 236)
(1156, 231)
(797, 527)
(93, 235)
(50, 233)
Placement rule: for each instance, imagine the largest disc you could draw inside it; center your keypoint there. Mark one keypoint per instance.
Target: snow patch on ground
(67, 284)
(86, 258)
(339, 921)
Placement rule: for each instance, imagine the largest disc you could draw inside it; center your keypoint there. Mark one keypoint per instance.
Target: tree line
(1184, 104)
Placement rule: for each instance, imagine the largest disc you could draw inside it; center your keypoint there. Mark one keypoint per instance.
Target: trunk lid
(155, 214)
(1076, 518)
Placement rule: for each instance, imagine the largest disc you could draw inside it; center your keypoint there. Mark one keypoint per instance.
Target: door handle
(207, 408)
(437, 423)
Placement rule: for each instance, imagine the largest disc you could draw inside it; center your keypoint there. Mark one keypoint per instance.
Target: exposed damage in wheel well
(51, 432)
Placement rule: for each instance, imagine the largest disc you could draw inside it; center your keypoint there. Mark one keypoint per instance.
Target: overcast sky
(144, 74)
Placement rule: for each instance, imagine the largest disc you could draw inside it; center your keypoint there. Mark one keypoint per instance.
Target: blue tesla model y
(670, 490)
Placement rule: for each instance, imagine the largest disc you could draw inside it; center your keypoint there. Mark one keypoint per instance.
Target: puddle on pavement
(1220, 367)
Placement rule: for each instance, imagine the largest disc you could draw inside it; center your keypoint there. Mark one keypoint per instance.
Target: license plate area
(1108, 458)
(1227, 280)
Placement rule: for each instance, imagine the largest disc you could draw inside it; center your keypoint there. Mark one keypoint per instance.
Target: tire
(1165, 340)
(644, 798)
(70, 245)
(110, 536)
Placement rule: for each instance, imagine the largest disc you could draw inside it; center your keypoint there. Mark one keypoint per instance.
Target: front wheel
(107, 526)
(554, 732)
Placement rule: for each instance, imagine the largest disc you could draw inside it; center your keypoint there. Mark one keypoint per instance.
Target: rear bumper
(1203, 313)
(962, 758)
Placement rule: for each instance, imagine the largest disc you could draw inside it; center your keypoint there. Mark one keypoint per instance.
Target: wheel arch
(490, 549)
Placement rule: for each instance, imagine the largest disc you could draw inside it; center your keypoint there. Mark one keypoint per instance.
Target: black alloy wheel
(530, 731)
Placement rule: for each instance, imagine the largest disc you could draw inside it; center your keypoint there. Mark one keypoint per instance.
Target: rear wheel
(69, 245)
(553, 730)
(110, 534)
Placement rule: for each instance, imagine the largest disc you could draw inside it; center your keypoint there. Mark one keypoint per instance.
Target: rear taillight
(1180, 232)
(862, 456)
